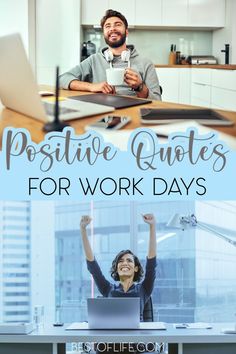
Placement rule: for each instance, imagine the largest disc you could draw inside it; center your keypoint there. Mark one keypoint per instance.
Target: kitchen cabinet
(207, 13)
(159, 13)
(169, 81)
(175, 13)
(184, 86)
(225, 79)
(201, 87)
(175, 84)
(223, 89)
(201, 76)
(212, 88)
(92, 11)
(193, 13)
(200, 94)
(127, 8)
(223, 99)
(153, 13)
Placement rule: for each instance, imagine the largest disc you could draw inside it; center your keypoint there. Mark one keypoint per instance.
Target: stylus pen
(56, 107)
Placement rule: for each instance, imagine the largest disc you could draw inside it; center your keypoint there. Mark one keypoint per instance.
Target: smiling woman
(126, 269)
(126, 264)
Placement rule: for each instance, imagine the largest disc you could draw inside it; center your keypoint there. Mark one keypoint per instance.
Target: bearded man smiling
(140, 77)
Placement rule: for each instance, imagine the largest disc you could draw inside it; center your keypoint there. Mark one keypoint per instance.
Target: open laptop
(114, 313)
(19, 91)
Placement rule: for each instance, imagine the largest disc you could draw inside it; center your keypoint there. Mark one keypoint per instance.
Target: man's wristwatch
(139, 88)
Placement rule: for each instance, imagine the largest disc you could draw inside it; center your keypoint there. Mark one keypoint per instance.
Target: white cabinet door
(169, 81)
(224, 79)
(201, 87)
(202, 76)
(148, 13)
(126, 7)
(93, 11)
(223, 99)
(184, 86)
(207, 13)
(198, 102)
(175, 13)
(176, 84)
(202, 93)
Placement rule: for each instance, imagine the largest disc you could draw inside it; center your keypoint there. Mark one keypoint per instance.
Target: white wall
(226, 35)
(233, 31)
(14, 18)
(57, 37)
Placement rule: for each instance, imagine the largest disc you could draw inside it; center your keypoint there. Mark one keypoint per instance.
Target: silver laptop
(114, 313)
(19, 91)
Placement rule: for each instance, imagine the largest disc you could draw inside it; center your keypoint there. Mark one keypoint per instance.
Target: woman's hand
(85, 221)
(149, 219)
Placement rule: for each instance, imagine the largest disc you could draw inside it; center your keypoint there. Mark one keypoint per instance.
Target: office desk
(17, 120)
(52, 340)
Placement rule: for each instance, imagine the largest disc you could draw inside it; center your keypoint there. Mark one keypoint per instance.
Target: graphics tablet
(173, 115)
(116, 101)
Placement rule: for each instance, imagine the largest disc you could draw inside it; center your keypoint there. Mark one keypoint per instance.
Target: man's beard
(118, 43)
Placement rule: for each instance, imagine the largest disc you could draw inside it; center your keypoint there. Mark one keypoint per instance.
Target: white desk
(182, 341)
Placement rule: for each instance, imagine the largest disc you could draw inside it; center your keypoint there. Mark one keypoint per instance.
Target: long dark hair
(137, 275)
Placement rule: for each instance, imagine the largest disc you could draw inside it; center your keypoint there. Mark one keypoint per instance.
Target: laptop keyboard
(49, 108)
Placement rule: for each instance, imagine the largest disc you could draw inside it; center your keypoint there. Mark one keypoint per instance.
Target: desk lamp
(184, 222)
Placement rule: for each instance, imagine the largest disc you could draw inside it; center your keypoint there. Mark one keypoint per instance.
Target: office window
(189, 285)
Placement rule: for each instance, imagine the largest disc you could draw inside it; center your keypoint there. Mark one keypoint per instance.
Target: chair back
(148, 311)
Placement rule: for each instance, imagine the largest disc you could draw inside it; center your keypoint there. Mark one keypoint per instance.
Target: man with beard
(90, 75)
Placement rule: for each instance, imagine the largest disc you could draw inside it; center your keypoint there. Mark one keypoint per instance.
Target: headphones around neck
(125, 56)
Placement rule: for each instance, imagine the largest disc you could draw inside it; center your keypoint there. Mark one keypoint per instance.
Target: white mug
(115, 76)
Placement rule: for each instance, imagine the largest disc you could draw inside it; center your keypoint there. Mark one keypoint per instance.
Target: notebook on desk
(116, 101)
(19, 91)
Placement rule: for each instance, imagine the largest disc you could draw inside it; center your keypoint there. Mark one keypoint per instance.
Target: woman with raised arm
(126, 268)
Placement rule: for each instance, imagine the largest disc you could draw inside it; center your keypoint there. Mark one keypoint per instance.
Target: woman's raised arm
(151, 221)
(84, 222)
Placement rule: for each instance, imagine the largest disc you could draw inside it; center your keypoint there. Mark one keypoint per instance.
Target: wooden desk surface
(17, 120)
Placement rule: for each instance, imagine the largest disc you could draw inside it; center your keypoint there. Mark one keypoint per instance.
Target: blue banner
(67, 166)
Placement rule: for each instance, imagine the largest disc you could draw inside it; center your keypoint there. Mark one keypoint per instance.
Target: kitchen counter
(218, 66)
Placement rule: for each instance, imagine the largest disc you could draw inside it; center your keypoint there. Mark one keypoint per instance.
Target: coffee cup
(115, 76)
